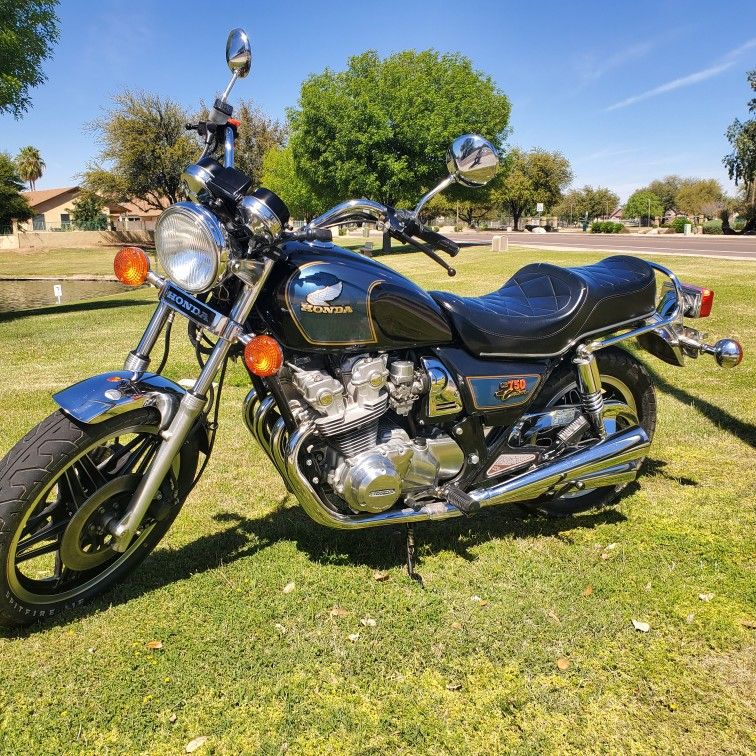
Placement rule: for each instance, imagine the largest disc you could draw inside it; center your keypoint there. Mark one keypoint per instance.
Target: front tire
(59, 486)
(622, 377)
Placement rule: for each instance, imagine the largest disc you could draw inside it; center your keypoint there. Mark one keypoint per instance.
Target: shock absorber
(589, 387)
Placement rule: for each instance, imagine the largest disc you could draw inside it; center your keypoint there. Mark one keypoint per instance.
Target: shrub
(457, 228)
(678, 224)
(606, 227)
(737, 225)
(712, 227)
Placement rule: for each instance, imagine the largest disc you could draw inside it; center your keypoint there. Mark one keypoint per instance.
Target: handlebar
(403, 225)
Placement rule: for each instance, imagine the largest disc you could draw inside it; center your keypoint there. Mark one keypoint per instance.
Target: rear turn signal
(263, 356)
(698, 301)
(131, 266)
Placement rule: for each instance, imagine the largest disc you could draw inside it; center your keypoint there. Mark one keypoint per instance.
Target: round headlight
(191, 246)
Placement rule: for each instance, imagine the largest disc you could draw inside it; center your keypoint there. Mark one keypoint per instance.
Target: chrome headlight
(191, 246)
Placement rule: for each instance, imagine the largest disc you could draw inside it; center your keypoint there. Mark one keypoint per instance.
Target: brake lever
(400, 236)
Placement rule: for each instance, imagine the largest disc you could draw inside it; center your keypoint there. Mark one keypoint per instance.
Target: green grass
(260, 671)
(57, 262)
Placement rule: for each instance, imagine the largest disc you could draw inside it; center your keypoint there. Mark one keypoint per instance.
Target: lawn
(56, 262)
(257, 669)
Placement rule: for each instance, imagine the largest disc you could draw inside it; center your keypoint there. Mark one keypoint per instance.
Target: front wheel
(623, 379)
(60, 486)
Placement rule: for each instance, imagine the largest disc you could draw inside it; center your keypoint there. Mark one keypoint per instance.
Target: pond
(29, 295)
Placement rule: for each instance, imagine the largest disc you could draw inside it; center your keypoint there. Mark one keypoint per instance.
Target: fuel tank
(321, 296)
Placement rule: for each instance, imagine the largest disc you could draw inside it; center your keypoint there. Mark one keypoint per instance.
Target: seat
(543, 309)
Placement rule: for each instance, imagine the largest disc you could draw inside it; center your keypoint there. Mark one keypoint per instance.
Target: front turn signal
(131, 266)
(263, 356)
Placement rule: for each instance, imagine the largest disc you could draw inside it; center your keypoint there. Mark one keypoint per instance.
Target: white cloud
(727, 61)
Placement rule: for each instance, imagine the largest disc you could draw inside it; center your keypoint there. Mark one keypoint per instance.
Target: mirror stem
(227, 92)
(447, 182)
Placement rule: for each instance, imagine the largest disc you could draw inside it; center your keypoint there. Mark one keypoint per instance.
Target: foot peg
(462, 501)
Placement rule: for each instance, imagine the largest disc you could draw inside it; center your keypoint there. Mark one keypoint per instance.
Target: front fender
(104, 396)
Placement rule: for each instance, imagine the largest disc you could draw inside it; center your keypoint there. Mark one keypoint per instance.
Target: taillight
(707, 300)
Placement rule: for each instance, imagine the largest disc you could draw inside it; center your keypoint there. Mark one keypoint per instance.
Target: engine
(369, 457)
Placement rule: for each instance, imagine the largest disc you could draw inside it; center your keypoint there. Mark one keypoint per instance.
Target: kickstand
(411, 557)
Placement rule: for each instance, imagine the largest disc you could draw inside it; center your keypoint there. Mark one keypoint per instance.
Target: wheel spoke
(46, 548)
(91, 472)
(54, 530)
(69, 483)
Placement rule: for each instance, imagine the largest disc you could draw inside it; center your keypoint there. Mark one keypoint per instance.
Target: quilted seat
(543, 309)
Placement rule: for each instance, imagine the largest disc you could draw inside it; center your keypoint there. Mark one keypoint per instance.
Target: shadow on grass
(738, 428)
(378, 548)
(88, 306)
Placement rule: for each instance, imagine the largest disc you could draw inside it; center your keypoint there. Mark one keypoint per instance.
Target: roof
(45, 195)
(137, 207)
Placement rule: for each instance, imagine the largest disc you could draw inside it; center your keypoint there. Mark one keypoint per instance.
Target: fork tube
(192, 404)
(139, 358)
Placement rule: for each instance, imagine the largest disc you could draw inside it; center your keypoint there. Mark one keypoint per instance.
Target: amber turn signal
(131, 266)
(263, 356)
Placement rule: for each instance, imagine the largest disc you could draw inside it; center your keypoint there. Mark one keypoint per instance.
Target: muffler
(612, 461)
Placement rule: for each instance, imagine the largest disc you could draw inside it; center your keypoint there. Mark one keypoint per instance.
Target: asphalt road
(727, 247)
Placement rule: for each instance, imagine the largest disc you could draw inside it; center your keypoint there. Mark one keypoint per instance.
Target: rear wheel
(623, 379)
(60, 486)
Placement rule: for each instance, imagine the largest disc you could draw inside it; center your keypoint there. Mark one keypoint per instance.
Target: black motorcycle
(378, 403)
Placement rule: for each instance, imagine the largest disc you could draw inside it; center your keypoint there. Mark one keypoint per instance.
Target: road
(727, 247)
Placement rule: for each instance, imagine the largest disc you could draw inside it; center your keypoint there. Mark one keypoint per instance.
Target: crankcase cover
(371, 484)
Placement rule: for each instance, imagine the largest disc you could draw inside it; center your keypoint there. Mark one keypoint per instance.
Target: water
(29, 295)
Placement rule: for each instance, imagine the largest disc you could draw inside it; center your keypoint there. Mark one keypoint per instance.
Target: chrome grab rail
(656, 322)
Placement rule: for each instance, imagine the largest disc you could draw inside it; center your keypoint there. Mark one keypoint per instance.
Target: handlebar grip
(439, 241)
(312, 234)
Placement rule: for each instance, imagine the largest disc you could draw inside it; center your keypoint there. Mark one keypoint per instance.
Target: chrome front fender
(104, 396)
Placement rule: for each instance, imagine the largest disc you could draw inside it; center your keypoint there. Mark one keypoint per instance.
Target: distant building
(51, 208)
(52, 212)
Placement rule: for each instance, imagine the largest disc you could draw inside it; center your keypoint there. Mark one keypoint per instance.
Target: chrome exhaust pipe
(611, 461)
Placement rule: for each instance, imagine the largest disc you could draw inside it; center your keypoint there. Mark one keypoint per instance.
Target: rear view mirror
(472, 161)
(238, 53)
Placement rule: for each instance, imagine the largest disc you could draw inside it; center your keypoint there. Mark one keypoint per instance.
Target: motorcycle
(379, 403)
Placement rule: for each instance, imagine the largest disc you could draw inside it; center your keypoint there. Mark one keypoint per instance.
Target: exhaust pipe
(612, 461)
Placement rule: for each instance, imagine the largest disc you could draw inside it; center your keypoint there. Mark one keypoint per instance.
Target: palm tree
(30, 165)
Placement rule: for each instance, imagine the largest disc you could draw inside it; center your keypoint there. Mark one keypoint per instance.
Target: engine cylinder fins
(357, 440)
(356, 418)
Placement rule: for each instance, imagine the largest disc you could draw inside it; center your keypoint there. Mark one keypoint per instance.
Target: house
(52, 212)
(134, 216)
(51, 208)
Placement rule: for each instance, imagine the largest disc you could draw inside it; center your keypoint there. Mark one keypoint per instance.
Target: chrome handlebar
(351, 211)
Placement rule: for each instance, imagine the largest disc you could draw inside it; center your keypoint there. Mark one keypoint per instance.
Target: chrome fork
(189, 409)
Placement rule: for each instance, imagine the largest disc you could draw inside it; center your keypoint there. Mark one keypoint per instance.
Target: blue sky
(628, 92)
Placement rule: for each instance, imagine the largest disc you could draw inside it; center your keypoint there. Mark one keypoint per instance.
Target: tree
(28, 33)
(529, 178)
(257, 134)
(699, 195)
(12, 204)
(741, 162)
(381, 128)
(144, 149)
(279, 174)
(589, 203)
(643, 204)
(30, 165)
(86, 214)
(666, 190)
